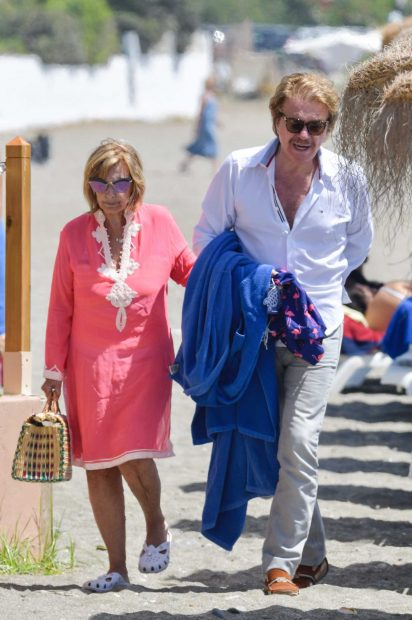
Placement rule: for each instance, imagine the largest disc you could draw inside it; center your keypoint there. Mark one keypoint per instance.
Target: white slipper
(106, 583)
(155, 559)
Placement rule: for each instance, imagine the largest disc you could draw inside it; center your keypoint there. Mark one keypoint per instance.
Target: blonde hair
(308, 87)
(109, 153)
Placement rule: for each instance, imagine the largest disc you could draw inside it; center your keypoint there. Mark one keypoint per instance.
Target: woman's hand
(52, 388)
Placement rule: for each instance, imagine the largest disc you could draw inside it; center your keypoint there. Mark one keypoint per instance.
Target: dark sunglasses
(120, 186)
(295, 125)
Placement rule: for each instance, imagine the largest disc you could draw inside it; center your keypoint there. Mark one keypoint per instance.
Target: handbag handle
(51, 404)
(50, 410)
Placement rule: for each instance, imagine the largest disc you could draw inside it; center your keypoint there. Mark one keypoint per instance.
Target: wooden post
(24, 507)
(17, 359)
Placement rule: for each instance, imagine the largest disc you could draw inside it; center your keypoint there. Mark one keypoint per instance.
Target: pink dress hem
(123, 458)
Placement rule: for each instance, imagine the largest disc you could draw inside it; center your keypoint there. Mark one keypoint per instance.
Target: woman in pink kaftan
(108, 340)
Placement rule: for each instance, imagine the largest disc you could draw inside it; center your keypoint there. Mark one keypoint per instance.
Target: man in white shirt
(296, 206)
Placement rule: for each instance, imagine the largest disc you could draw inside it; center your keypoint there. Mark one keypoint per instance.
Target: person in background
(205, 142)
(358, 337)
(358, 277)
(369, 312)
(108, 341)
(293, 205)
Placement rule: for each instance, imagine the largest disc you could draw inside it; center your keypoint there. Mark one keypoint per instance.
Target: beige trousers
(295, 532)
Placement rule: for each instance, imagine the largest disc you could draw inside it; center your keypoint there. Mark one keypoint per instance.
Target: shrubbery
(90, 31)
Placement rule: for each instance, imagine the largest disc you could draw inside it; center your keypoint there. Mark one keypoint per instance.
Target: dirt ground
(365, 491)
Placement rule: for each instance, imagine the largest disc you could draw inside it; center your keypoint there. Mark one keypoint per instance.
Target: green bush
(77, 31)
(55, 37)
(96, 25)
(151, 19)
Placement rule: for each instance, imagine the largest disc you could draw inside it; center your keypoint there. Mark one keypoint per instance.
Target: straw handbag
(43, 448)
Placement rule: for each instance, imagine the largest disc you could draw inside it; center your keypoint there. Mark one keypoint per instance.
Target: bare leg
(107, 500)
(143, 479)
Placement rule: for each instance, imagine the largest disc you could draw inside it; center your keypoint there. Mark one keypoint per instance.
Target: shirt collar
(265, 155)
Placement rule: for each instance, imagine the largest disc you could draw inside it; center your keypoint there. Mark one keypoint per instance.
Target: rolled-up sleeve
(181, 256)
(360, 229)
(59, 321)
(218, 207)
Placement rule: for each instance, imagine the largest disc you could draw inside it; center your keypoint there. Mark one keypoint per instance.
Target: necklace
(120, 294)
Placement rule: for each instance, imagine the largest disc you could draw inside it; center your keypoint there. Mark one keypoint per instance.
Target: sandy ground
(365, 492)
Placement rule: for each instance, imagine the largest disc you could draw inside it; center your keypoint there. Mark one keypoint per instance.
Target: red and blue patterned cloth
(297, 323)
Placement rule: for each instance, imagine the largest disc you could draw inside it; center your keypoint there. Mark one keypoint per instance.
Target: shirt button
(285, 233)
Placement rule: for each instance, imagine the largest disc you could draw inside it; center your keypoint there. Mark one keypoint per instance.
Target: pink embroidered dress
(108, 335)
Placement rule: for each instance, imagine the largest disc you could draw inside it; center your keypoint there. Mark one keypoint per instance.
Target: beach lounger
(399, 373)
(354, 369)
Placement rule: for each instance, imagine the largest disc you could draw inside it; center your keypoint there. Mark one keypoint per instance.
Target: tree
(151, 19)
(356, 12)
(74, 31)
(96, 24)
(26, 27)
(55, 37)
(298, 12)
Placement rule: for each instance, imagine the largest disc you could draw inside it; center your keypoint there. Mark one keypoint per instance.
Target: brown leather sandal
(278, 581)
(307, 576)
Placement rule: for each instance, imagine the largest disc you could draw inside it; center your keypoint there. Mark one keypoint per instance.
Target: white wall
(38, 95)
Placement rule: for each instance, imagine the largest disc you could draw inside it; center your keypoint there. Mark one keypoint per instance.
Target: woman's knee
(139, 466)
(102, 476)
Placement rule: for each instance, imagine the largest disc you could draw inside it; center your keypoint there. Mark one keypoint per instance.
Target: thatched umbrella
(389, 152)
(405, 36)
(393, 30)
(374, 108)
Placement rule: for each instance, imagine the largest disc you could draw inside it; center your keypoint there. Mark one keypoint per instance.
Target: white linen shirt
(331, 234)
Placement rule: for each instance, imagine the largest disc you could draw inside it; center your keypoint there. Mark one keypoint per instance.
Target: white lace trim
(53, 373)
(120, 295)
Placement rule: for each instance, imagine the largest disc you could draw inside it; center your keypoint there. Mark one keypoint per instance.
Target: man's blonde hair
(308, 87)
